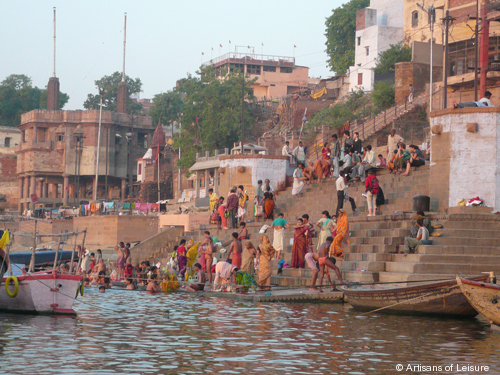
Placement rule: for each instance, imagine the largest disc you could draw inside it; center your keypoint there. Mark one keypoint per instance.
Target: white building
(9, 136)
(377, 27)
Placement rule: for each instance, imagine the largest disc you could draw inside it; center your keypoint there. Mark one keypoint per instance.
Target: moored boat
(484, 297)
(435, 298)
(46, 292)
(43, 257)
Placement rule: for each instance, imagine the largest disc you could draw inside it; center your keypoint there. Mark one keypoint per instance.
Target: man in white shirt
(411, 244)
(369, 161)
(392, 143)
(299, 153)
(340, 184)
(486, 99)
(286, 152)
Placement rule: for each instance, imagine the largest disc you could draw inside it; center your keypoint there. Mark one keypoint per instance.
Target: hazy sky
(165, 39)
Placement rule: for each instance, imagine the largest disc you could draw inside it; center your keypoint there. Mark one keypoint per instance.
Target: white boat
(46, 292)
(484, 297)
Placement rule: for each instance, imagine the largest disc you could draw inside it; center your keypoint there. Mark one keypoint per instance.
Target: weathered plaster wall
(474, 157)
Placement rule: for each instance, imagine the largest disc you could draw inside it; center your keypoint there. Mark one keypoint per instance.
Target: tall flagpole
(54, 58)
(124, 45)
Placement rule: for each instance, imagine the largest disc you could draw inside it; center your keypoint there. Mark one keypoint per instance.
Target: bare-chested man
(100, 266)
(236, 249)
(323, 260)
(152, 288)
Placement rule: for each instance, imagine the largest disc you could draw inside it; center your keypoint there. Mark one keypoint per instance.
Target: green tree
(395, 53)
(18, 96)
(167, 107)
(340, 35)
(212, 113)
(383, 96)
(110, 86)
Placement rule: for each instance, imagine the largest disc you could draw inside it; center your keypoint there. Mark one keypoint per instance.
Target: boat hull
(42, 293)
(484, 297)
(442, 298)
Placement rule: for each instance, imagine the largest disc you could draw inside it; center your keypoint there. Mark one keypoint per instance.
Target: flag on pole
(220, 45)
(5, 240)
(212, 48)
(202, 53)
(294, 46)
(262, 44)
(229, 42)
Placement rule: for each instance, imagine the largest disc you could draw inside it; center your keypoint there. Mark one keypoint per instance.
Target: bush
(383, 96)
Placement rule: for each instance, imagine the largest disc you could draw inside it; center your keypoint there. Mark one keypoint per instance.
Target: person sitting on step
(417, 159)
(412, 244)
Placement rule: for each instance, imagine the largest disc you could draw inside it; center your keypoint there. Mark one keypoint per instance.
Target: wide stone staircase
(469, 243)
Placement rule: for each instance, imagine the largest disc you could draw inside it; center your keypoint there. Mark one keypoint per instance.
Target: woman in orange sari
(300, 244)
(268, 204)
(267, 253)
(342, 236)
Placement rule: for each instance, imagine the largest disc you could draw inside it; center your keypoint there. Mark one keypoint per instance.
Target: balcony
(250, 58)
(32, 145)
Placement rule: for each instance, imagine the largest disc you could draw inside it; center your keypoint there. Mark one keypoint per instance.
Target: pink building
(276, 75)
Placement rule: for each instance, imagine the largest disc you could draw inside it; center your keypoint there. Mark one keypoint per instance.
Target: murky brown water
(129, 332)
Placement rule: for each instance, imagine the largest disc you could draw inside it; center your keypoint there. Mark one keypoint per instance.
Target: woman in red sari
(299, 250)
(326, 152)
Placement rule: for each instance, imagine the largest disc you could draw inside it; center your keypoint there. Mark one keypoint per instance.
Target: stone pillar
(207, 179)
(45, 189)
(39, 187)
(197, 184)
(122, 98)
(21, 180)
(65, 190)
(32, 188)
(216, 181)
(124, 185)
(26, 188)
(53, 94)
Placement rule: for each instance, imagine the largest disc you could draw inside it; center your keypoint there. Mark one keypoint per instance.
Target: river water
(130, 332)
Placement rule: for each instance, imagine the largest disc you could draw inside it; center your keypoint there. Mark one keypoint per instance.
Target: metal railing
(251, 58)
(368, 126)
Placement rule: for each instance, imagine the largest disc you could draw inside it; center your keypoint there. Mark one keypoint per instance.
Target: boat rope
(411, 299)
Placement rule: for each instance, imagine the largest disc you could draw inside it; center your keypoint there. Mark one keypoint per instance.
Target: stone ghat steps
(436, 268)
(453, 258)
(470, 224)
(470, 251)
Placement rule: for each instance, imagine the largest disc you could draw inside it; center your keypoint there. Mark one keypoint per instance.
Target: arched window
(414, 19)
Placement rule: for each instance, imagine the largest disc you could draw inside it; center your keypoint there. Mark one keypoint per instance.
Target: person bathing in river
(236, 249)
(130, 284)
(224, 275)
(152, 288)
(317, 263)
(201, 280)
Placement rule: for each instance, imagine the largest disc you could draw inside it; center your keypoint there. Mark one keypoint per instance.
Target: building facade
(377, 27)
(56, 156)
(276, 75)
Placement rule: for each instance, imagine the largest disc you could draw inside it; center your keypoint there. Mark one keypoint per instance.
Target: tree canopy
(395, 53)
(18, 96)
(167, 107)
(110, 86)
(340, 35)
(211, 113)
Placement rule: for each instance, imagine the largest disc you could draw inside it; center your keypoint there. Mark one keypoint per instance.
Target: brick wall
(9, 184)
(416, 74)
(360, 19)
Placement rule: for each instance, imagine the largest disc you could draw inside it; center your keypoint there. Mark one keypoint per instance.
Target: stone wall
(9, 185)
(416, 74)
(465, 155)
(110, 230)
(187, 222)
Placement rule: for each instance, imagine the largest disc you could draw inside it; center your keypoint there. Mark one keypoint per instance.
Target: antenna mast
(124, 45)
(54, 57)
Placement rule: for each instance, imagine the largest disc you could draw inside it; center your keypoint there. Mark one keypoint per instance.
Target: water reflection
(134, 333)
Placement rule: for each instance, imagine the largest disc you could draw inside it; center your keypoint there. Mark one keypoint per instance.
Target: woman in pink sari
(299, 250)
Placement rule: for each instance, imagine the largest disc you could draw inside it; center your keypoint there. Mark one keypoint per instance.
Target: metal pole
(98, 147)
(32, 262)
(83, 251)
(158, 173)
(447, 20)
(57, 253)
(432, 19)
(476, 50)
(242, 111)
(106, 195)
(73, 254)
(124, 45)
(54, 57)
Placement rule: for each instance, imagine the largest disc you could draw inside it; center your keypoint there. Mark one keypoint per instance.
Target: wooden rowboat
(437, 298)
(484, 297)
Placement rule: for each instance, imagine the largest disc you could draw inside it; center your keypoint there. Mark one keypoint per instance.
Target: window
(235, 67)
(269, 69)
(190, 184)
(414, 19)
(23, 135)
(253, 69)
(286, 70)
(7, 141)
(359, 40)
(360, 78)
(79, 138)
(141, 140)
(59, 137)
(367, 51)
(139, 171)
(40, 134)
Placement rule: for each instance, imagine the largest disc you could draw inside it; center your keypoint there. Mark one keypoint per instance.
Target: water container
(421, 203)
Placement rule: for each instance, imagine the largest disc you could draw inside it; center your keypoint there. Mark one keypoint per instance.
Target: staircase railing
(367, 126)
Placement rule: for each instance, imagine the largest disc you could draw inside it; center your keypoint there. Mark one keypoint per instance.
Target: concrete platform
(284, 295)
